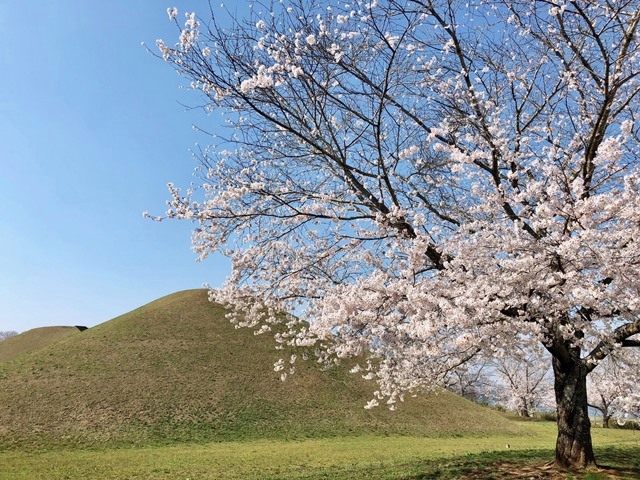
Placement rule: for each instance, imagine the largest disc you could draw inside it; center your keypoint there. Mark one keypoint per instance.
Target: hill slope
(176, 370)
(33, 340)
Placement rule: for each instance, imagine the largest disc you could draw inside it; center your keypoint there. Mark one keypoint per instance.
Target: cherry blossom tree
(424, 181)
(472, 380)
(611, 392)
(7, 334)
(523, 380)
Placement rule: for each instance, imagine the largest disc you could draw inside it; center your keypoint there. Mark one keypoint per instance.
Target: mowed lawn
(367, 457)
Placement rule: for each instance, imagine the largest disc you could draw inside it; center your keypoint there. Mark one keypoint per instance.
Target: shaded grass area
(619, 462)
(364, 457)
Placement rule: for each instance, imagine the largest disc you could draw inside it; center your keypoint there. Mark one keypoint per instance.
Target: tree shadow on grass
(620, 462)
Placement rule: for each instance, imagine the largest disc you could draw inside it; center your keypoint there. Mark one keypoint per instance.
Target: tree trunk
(605, 413)
(573, 447)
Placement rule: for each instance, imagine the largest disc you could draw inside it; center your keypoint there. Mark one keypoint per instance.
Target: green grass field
(365, 457)
(33, 340)
(176, 371)
(173, 391)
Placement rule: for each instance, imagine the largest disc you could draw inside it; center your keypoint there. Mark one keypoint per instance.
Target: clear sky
(91, 131)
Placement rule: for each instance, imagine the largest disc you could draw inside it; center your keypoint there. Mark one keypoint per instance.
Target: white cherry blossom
(417, 185)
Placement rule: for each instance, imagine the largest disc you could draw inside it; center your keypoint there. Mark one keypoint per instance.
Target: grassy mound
(176, 370)
(33, 340)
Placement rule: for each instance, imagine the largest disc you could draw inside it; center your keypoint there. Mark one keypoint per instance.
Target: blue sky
(92, 130)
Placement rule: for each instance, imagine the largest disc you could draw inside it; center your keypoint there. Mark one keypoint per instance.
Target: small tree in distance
(613, 393)
(426, 181)
(523, 378)
(7, 334)
(472, 381)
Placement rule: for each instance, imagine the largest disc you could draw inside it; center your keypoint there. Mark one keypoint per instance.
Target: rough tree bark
(574, 448)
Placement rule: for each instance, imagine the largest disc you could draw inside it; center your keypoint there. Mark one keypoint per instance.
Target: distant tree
(524, 381)
(611, 392)
(7, 334)
(422, 181)
(472, 380)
